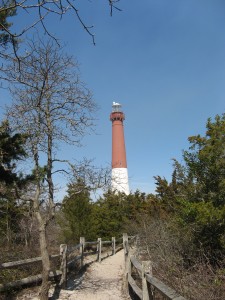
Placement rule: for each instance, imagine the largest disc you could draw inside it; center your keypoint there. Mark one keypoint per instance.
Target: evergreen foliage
(196, 195)
(78, 213)
(5, 13)
(109, 216)
(206, 162)
(11, 151)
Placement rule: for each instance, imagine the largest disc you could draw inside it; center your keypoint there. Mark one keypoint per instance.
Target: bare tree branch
(44, 8)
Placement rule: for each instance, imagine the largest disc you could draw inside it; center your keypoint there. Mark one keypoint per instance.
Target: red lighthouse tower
(119, 180)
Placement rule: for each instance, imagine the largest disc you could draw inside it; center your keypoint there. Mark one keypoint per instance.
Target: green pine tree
(11, 151)
(7, 10)
(77, 209)
(197, 191)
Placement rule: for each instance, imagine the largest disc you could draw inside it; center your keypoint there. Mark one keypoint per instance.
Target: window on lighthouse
(116, 107)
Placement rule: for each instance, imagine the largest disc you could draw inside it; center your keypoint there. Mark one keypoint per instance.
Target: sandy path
(102, 281)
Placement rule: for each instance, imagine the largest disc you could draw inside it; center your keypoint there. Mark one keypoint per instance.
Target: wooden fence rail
(14, 264)
(148, 287)
(66, 260)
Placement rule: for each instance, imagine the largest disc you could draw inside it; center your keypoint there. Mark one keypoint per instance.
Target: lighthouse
(119, 180)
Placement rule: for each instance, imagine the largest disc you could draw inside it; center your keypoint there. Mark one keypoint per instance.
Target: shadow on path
(74, 280)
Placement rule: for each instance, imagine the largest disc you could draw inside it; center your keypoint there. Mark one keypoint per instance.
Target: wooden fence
(144, 285)
(68, 256)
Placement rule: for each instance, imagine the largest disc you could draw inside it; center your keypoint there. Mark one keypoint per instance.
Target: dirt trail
(102, 281)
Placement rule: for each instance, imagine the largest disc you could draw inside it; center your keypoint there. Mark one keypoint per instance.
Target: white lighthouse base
(119, 181)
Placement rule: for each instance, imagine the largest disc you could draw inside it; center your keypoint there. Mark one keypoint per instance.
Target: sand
(101, 281)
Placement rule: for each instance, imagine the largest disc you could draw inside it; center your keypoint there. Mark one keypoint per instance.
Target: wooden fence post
(113, 245)
(99, 249)
(146, 268)
(127, 270)
(82, 242)
(125, 243)
(63, 266)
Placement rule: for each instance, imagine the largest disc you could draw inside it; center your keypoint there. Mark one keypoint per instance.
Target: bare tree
(52, 106)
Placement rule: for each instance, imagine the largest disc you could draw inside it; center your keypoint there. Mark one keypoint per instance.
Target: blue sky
(164, 61)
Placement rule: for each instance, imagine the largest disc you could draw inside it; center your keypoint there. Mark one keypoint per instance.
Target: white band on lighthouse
(119, 181)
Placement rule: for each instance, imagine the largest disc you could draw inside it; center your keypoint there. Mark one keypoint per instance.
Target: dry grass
(176, 262)
(18, 250)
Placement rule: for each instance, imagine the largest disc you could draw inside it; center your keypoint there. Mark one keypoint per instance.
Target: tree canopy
(11, 150)
(11, 181)
(196, 194)
(77, 209)
(205, 162)
(7, 10)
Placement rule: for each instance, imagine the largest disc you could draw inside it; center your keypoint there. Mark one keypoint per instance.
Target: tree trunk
(43, 246)
(45, 261)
